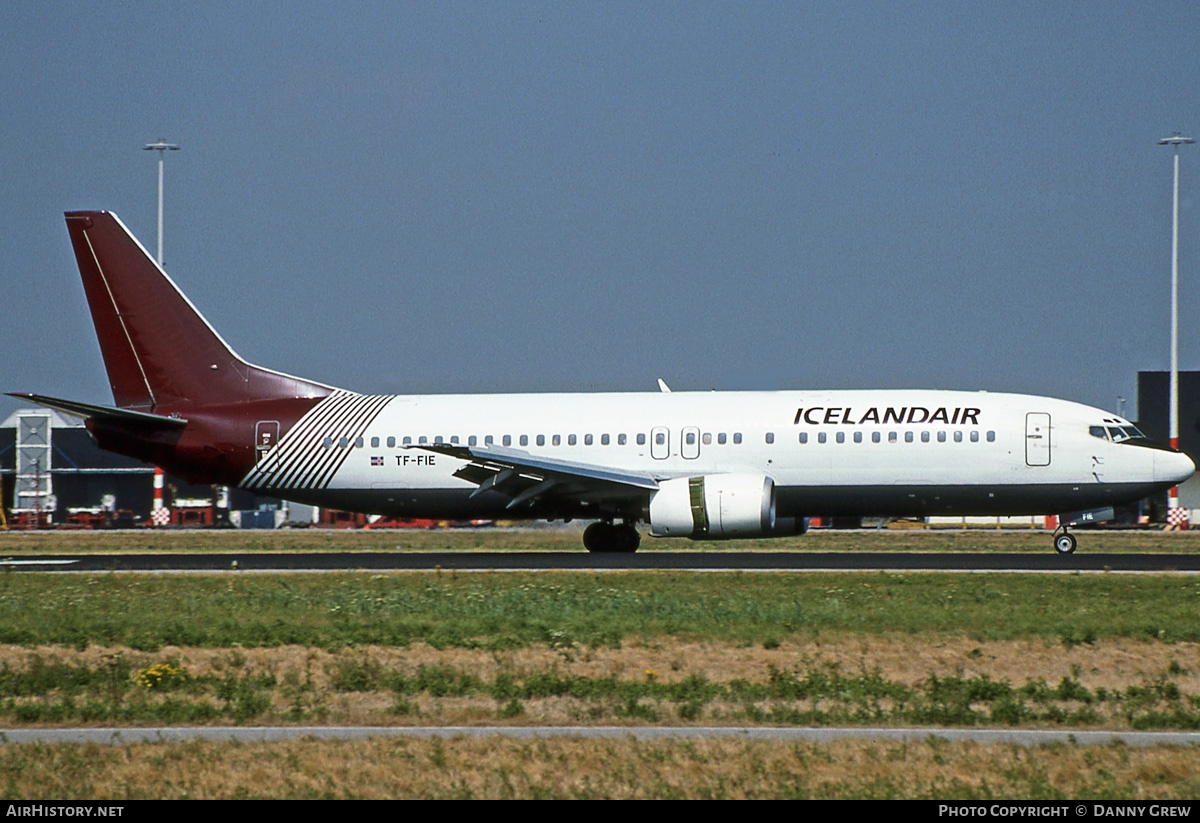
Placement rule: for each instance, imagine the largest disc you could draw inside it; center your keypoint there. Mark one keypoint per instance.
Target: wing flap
(527, 478)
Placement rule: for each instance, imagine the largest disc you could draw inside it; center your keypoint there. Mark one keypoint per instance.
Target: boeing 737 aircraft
(689, 464)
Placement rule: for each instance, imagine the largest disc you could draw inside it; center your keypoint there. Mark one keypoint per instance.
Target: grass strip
(53, 690)
(508, 610)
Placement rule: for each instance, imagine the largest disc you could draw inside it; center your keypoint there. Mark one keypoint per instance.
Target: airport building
(1153, 419)
(52, 472)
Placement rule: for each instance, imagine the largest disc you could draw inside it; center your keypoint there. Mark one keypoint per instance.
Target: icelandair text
(846, 415)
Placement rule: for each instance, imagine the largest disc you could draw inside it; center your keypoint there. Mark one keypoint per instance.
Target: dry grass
(580, 768)
(305, 689)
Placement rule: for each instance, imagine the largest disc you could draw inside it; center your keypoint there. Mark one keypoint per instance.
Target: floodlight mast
(161, 147)
(1175, 141)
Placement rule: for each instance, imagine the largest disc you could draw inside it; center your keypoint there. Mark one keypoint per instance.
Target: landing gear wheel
(597, 537)
(1064, 543)
(606, 537)
(628, 538)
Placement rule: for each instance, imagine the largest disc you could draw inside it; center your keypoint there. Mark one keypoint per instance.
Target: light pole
(1174, 141)
(161, 147)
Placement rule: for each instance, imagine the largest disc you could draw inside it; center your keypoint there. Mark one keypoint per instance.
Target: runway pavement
(583, 561)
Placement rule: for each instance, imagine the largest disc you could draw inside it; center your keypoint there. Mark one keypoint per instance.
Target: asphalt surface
(697, 561)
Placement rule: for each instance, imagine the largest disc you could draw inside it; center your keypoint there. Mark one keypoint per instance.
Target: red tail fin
(158, 350)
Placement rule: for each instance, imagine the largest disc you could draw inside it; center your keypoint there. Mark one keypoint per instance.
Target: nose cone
(1172, 467)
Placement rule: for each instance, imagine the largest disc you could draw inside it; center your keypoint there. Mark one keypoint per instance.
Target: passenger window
(541, 439)
(892, 437)
(604, 440)
(437, 440)
(660, 438)
(642, 439)
(358, 442)
(587, 440)
(707, 438)
(958, 437)
(524, 440)
(770, 437)
(327, 442)
(571, 440)
(343, 442)
(908, 437)
(620, 440)
(737, 438)
(557, 440)
(408, 441)
(472, 440)
(721, 438)
(858, 437)
(374, 442)
(991, 437)
(454, 439)
(875, 438)
(821, 437)
(924, 437)
(803, 437)
(506, 440)
(487, 440)
(840, 437)
(941, 437)
(974, 437)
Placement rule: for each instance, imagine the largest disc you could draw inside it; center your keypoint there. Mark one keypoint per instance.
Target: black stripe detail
(300, 460)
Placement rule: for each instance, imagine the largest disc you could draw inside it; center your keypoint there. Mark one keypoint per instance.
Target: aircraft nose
(1172, 467)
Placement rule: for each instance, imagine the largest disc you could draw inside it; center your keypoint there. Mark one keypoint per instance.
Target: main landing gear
(602, 536)
(1064, 542)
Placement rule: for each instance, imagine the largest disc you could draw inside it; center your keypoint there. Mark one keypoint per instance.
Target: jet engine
(719, 507)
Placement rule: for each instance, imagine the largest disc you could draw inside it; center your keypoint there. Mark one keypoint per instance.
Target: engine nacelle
(719, 507)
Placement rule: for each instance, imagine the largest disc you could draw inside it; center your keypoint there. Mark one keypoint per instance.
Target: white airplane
(703, 465)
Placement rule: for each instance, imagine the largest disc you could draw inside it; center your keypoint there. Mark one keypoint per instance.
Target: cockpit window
(1117, 434)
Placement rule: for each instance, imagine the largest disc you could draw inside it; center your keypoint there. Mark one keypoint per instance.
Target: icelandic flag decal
(376, 461)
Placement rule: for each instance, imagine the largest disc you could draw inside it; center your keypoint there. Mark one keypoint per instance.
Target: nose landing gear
(1064, 542)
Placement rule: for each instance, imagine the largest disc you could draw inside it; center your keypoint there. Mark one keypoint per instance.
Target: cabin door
(1037, 439)
(689, 444)
(660, 442)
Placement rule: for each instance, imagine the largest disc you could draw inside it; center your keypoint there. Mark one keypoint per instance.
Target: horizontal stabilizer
(106, 413)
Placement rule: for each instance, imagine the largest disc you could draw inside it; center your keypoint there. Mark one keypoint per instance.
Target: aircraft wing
(527, 478)
(106, 413)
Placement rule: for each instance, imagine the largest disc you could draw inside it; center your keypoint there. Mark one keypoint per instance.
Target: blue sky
(478, 197)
